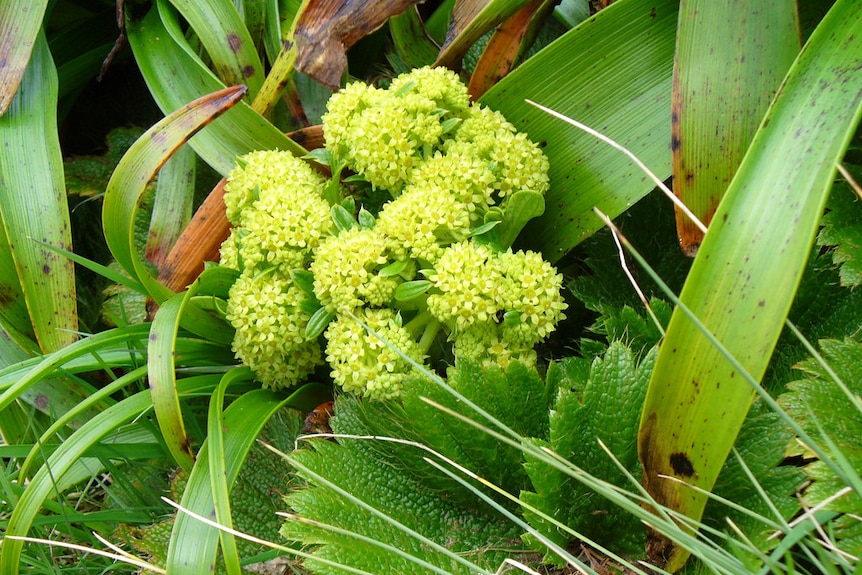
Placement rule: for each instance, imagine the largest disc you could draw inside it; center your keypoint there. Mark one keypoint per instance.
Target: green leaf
(830, 417)
(176, 75)
(366, 219)
(470, 21)
(342, 219)
(223, 34)
(410, 290)
(172, 204)
(20, 23)
(842, 229)
(33, 201)
(43, 485)
(318, 322)
(163, 380)
(411, 41)
(516, 396)
(479, 543)
(602, 402)
(761, 446)
(521, 207)
(194, 544)
(625, 94)
(746, 273)
(730, 60)
(138, 166)
(394, 269)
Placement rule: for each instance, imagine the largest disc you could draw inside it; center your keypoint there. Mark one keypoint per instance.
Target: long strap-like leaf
(747, 271)
(731, 56)
(33, 202)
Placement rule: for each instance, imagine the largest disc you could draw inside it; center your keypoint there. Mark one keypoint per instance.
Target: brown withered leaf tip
(326, 29)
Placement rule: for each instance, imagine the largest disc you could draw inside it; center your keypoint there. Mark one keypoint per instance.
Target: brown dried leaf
(506, 46)
(326, 29)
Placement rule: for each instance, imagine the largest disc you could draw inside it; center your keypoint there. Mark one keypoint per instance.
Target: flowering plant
(429, 272)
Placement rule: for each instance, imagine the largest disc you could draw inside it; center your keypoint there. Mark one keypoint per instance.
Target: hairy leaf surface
(824, 410)
(599, 402)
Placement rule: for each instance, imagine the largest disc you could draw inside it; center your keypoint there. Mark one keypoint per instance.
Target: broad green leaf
(747, 271)
(601, 402)
(14, 317)
(411, 41)
(730, 59)
(223, 34)
(20, 22)
(138, 166)
(624, 92)
(176, 76)
(33, 202)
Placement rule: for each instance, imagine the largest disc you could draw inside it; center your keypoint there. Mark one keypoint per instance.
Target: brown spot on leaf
(247, 71)
(46, 269)
(41, 402)
(681, 464)
(234, 42)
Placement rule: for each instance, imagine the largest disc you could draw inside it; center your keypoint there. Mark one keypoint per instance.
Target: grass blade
(747, 271)
(193, 545)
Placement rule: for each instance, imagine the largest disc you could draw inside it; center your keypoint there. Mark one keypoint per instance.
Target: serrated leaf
(603, 403)
(473, 536)
(397, 481)
(823, 410)
(762, 445)
(842, 229)
(516, 396)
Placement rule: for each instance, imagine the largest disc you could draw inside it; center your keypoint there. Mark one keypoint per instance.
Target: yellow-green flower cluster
(424, 274)
(364, 363)
(274, 201)
(497, 305)
(266, 311)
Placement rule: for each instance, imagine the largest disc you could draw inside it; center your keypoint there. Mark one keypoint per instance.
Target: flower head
(362, 362)
(265, 309)
(346, 271)
(466, 280)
